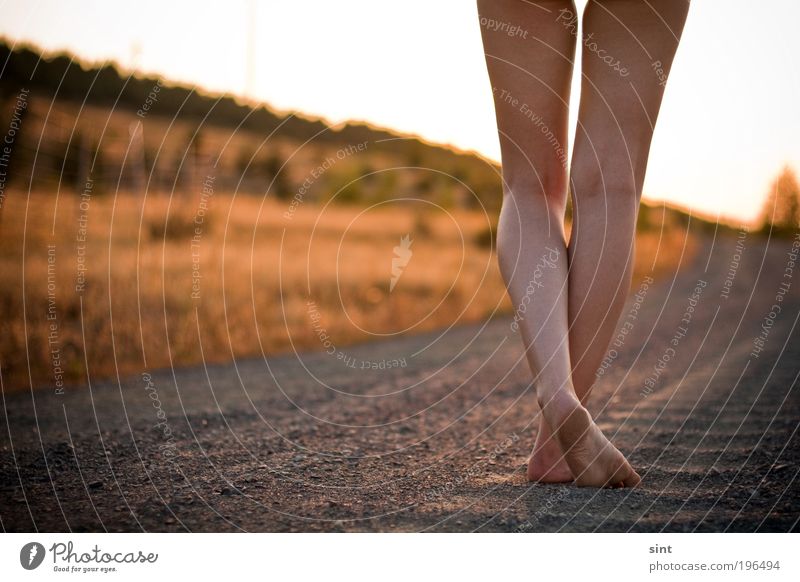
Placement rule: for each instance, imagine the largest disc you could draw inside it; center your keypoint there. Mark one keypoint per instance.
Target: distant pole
(136, 53)
(250, 80)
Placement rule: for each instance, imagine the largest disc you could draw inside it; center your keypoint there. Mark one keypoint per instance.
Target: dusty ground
(310, 444)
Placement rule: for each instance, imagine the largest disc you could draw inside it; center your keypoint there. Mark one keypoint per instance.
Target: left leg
(620, 102)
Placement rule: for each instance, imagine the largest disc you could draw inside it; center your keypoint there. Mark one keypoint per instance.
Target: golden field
(159, 281)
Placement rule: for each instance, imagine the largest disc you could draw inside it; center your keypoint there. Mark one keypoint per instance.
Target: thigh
(627, 52)
(529, 50)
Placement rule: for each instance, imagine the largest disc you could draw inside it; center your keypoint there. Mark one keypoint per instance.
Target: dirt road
(431, 433)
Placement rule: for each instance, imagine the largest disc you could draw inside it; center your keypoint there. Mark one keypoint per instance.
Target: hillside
(130, 131)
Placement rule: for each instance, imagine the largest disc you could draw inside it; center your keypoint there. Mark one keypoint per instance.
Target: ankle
(560, 395)
(557, 404)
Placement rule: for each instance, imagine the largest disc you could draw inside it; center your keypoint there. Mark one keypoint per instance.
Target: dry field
(171, 282)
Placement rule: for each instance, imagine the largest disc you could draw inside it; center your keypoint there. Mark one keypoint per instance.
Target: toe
(633, 479)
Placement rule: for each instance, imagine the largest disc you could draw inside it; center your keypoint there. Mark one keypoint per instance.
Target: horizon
(728, 181)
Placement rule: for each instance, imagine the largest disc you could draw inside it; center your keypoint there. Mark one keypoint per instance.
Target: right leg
(531, 73)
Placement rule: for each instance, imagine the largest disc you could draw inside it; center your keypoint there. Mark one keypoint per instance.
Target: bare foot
(547, 464)
(592, 459)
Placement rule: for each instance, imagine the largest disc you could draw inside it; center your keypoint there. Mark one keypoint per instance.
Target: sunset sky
(729, 122)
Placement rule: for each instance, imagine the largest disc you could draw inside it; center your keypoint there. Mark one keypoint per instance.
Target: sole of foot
(592, 459)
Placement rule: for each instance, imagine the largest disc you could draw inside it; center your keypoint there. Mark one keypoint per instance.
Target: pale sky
(729, 122)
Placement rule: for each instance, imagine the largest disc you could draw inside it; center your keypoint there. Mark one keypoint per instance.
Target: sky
(729, 121)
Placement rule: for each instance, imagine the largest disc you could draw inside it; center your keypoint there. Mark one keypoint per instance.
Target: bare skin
(567, 313)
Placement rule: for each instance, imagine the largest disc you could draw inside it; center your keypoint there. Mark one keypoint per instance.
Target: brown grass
(258, 271)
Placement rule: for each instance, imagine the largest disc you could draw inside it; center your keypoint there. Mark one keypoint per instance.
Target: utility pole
(250, 80)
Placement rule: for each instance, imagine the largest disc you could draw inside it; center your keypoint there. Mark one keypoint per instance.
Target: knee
(594, 189)
(608, 200)
(533, 186)
(612, 170)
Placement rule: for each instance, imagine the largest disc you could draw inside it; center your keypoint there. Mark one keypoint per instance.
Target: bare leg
(620, 100)
(530, 75)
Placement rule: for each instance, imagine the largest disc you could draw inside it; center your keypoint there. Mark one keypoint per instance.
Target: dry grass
(258, 271)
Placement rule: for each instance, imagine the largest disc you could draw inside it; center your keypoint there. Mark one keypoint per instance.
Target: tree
(781, 214)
